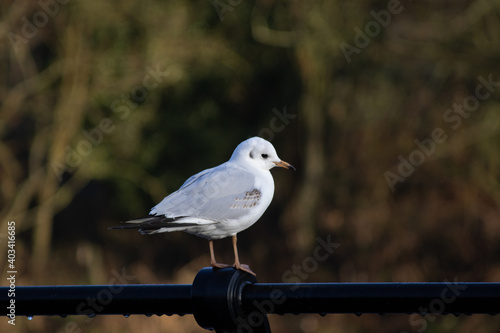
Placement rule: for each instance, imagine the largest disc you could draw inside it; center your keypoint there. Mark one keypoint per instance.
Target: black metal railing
(228, 300)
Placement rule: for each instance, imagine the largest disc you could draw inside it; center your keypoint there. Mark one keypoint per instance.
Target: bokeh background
(107, 107)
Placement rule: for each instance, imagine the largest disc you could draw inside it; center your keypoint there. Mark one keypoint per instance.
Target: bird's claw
(244, 268)
(217, 265)
(241, 267)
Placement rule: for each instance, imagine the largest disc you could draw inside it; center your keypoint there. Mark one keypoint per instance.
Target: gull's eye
(264, 156)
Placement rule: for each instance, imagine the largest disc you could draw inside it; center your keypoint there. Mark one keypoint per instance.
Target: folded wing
(211, 196)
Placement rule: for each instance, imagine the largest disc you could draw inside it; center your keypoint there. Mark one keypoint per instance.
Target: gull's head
(258, 153)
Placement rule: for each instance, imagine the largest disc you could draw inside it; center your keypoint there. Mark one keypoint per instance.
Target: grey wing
(214, 194)
(197, 176)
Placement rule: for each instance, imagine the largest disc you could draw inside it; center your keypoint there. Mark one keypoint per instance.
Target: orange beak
(286, 165)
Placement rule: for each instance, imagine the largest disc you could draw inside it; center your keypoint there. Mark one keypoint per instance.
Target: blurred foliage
(106, 107)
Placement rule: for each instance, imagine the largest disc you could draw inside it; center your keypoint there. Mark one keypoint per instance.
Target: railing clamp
(216, 297)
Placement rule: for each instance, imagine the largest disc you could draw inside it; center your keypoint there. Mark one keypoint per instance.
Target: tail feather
(153, 224)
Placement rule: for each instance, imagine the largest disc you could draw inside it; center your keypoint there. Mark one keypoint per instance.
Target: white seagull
(219, 202)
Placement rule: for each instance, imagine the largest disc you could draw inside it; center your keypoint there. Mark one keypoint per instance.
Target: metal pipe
(101, 299)
(424, 297)
(229, 300)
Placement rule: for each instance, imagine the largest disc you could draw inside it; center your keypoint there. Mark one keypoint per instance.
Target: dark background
(107, 107)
